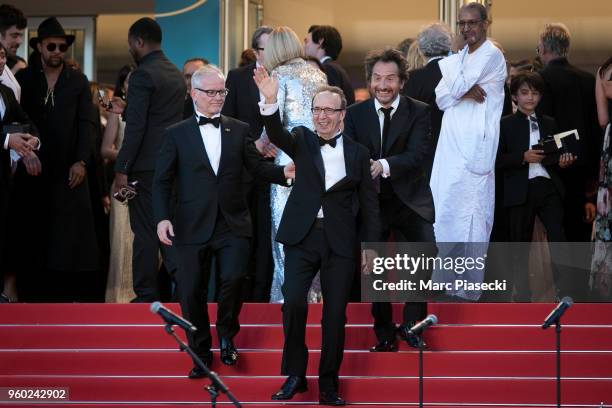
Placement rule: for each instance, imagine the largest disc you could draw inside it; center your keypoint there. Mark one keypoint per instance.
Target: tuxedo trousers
(192, 277)
(398, 218)
(302, 262)
(151, 283)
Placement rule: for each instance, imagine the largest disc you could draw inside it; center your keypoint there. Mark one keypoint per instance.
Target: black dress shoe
(4, 298)
(197, 372)
(293, 384)
(229, 354)
(331, 398)
(385, 346)
(411, 339)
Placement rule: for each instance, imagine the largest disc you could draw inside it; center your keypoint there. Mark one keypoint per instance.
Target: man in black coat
(241, 103)
(155, 101)
(204, 156)
(22, 143)
(435, 43)
(569, 97)
(324, 43)
(397, 132)
(58, 100)
(319, 230)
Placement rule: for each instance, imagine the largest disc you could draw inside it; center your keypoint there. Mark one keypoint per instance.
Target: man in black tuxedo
(569, 97)
(23, 144)
(435, 43)
(189, 67)
(319, 230)
(530, 187)
(397, 132)
(204, 156)
(241, 103)
(155, 101)
(324, 43)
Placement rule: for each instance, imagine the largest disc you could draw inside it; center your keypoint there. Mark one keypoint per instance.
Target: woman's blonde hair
(283, 45)
(415, 57)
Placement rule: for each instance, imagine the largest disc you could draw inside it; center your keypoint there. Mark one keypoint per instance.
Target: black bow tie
(331, 142)
(203, 120)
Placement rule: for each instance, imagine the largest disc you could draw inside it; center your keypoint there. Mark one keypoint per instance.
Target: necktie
(203, 120)
(331, 142)
(386, 126)
(533, 122)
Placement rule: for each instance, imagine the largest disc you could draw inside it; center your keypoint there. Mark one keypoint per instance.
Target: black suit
(212, 218)
(155, 101)
(337, 76)
(327, 243)
(12, 114)
(524, 198)
(421, 85)
(242, 103)
(406, 202)
(569, 97)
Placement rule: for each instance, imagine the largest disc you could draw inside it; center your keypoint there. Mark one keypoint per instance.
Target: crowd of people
(259, 186)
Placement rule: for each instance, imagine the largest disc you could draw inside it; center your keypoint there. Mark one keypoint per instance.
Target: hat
(51, 28)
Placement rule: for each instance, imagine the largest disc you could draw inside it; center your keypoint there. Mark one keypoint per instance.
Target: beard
(53, 62)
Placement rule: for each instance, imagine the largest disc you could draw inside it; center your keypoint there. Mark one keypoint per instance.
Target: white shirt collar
(198, 114)
(434, 58)
(394, 104)
(325, 58)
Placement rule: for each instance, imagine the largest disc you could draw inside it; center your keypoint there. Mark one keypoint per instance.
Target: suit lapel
(6, 105)
(315, 151)
(198, 144)
(374, 127)
(396, 125)
(253, 89)
(225, 142)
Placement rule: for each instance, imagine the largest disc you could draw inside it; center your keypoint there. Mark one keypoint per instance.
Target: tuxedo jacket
(155, 101)
(341, 203)
(408, 148)
(201, 194)
(514, 141)
(13, 114)
(421, 85)
(337, 76)
(243, 98)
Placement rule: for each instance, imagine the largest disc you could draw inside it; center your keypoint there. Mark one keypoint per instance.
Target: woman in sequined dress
(298, 81)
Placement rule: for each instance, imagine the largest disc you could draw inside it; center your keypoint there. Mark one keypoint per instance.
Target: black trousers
(4, 197)
(192, 279)
(398, 218)
(543, 200)
(151, 283)
(302, 262)
(261, 263)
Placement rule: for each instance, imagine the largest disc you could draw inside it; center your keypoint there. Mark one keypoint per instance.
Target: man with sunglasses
(154, 102)
(59, 102)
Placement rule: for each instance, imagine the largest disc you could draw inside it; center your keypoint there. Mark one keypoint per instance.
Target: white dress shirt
(535, 169)
(333, 157)
(381, 119)
(9, 80)
(211, 136)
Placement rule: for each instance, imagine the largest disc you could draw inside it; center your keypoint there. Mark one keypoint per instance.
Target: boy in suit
(530, 187)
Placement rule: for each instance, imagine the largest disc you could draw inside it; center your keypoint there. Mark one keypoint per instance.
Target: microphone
(171, 318)
(424, 324)
(556, 314)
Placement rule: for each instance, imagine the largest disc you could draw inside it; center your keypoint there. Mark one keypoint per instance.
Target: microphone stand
(421, 347)
(216, 384)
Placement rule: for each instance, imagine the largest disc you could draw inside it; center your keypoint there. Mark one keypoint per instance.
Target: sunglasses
(52, 46)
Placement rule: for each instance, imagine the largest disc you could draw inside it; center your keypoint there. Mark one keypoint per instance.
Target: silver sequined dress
(298, 82)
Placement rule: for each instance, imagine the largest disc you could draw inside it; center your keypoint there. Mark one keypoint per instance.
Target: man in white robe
(471, 94)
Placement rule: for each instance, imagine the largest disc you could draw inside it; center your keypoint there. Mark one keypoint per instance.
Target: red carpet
(479, 355)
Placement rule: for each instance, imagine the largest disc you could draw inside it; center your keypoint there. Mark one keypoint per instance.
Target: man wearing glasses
(204, 156)
(319, 230)
(155, 101)
(471, 94)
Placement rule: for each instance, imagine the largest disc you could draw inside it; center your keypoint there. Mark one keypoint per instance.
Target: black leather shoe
(197, 372)
(293, 384)
(409, 338)
(4, 298)
(385, 346)
(229, 354)
(331, 398)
